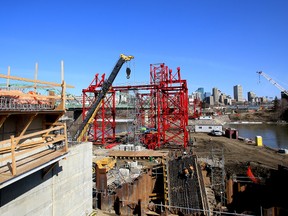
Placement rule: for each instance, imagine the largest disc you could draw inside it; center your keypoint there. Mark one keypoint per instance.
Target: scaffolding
(32, 134)
(103, 126)
(161, 107)
(218, 174)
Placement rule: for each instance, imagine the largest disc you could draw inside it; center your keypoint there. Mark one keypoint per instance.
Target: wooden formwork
(31, 133)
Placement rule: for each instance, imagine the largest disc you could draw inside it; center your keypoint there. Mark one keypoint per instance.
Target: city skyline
(245, 95)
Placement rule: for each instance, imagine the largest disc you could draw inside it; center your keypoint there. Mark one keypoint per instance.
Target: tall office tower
(251, 96)
(228, 101)
(198, 95)
(222, 97)
(215, 93)
(201, 92)
(238, 93)
(207, 94)
(210, 100)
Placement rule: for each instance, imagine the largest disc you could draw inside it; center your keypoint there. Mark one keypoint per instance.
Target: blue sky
(216, 43)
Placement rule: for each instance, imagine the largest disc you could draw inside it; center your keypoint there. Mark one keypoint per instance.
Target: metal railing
(7, 103)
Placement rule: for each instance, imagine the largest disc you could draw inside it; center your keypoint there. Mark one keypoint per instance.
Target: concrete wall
(66, 190)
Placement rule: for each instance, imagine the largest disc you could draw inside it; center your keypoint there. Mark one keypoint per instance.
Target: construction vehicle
(273, 82)
(83, 127)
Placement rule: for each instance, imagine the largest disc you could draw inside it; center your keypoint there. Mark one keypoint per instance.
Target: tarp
(251, 175)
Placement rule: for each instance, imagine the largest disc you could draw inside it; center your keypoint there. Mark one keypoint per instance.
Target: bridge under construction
(46, 161)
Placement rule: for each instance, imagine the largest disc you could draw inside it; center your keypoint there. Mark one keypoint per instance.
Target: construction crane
(273, 82)
(84, 126)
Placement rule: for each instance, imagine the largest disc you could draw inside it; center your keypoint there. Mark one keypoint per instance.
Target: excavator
(79, 131)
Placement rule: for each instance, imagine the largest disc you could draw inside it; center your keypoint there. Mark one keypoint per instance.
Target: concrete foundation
(63, 188)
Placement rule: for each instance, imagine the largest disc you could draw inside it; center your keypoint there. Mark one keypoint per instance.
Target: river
(273, 135)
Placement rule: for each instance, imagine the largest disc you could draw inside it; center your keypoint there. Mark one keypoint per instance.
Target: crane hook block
(128, 72)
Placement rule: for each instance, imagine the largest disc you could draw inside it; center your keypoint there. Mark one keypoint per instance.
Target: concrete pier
(63, 188)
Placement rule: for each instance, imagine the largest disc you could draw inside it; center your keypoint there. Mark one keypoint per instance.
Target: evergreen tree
(276, 104)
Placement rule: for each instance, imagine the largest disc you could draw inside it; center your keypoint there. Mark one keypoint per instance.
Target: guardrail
(17, 104)
(16, 148)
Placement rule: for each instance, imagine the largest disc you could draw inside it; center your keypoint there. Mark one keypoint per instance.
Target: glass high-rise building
(200, 92)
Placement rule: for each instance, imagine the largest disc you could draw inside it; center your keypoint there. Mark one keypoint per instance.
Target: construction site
(56, 162)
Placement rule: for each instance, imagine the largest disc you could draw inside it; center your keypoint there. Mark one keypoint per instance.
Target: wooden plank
(3, 118)
(13, 156)
(26, 164)
(144, 153)
(30, 147)
(33, 81)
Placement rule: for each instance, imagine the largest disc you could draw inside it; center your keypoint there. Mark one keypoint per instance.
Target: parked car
(216, 133)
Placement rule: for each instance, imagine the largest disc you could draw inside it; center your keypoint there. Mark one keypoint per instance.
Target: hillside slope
(257, 116)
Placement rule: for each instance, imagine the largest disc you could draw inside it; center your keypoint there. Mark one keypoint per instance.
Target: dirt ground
(237, 154)
(262, 115)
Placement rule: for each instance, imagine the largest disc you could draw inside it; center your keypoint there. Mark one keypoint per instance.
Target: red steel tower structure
(103, 128)
(162, 107)
(171, 106)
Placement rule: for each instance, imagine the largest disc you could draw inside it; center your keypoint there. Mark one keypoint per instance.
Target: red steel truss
(172, 106)
(161, 107)
(103, 129)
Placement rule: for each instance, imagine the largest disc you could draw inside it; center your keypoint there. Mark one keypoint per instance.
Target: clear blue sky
(216, 43)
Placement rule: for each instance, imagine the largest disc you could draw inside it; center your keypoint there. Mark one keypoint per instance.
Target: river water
(273, 135)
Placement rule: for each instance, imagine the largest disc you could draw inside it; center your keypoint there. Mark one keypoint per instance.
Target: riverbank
(263, 116)
(237, 151)
(235, 157)
(255, 117)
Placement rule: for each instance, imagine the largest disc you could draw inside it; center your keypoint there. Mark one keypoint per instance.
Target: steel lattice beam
(163, 105)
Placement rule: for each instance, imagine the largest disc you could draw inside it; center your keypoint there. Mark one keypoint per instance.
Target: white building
(207, 128)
